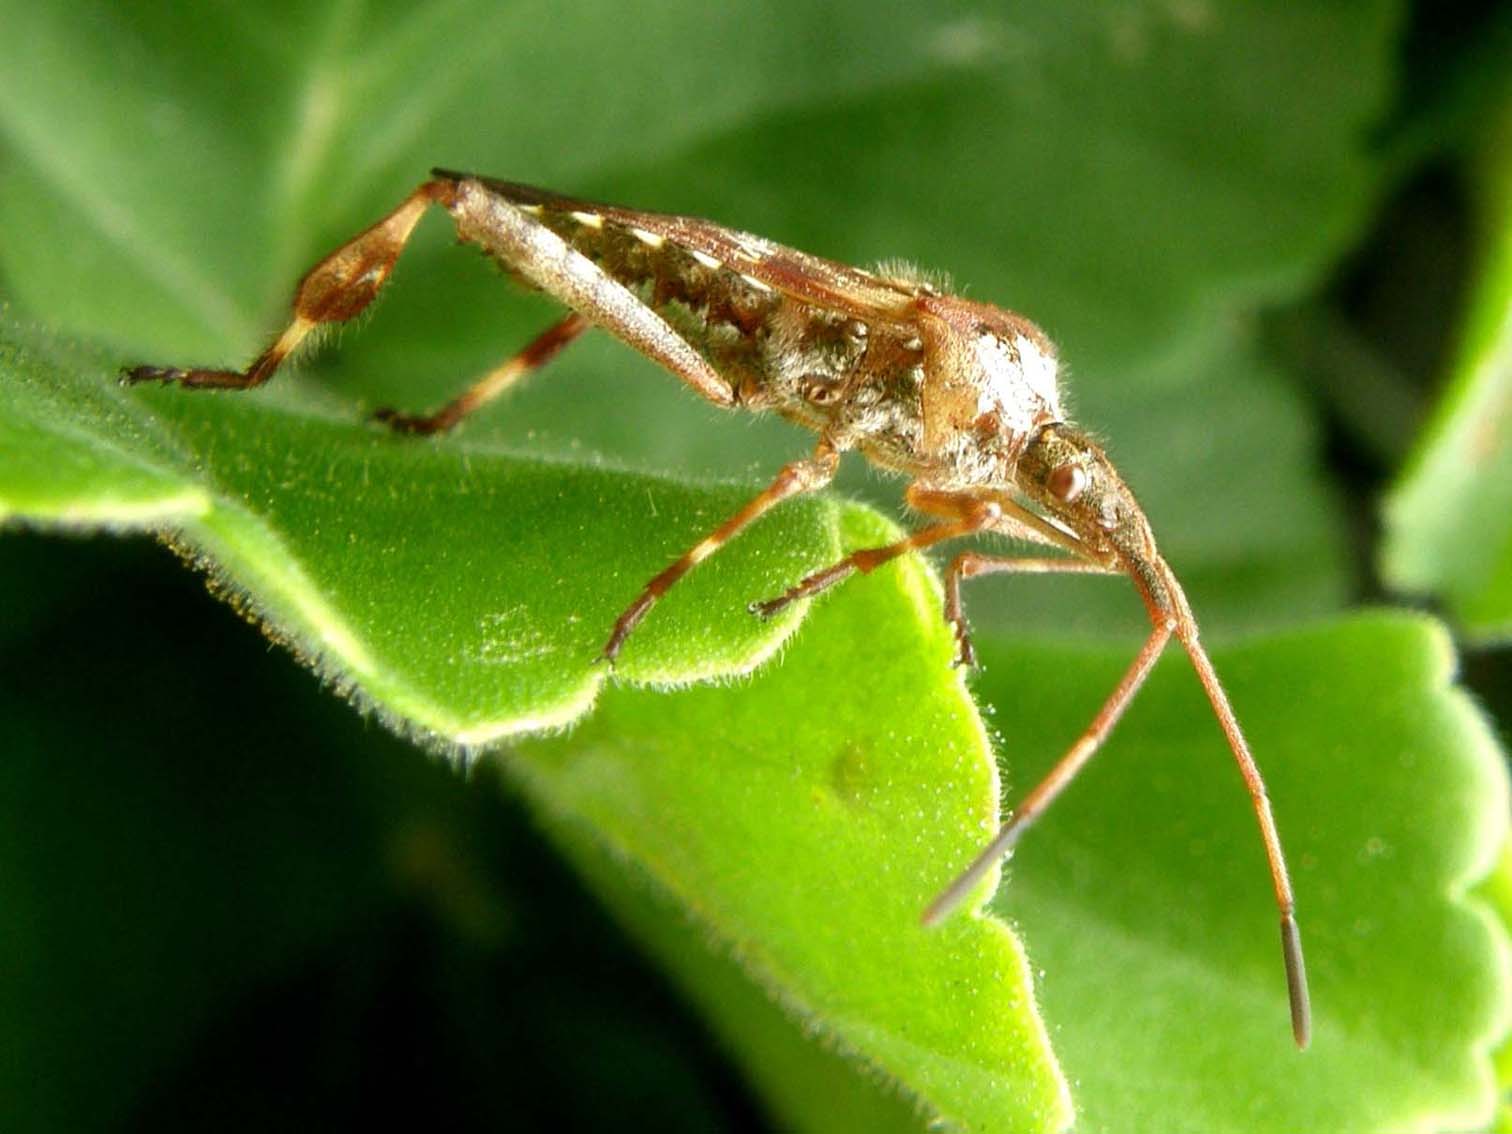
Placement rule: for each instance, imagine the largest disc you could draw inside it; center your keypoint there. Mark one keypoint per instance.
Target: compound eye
(1067, 482)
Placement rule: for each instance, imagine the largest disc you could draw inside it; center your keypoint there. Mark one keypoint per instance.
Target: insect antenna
(1291, 937)
(1172, 615)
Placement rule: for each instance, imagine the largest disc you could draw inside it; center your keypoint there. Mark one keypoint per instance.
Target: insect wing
(812, 279)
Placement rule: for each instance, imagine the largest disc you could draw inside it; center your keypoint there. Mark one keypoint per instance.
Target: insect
(959, 396)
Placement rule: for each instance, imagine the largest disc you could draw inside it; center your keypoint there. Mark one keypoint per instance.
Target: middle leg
(966, 515)
(537, 353)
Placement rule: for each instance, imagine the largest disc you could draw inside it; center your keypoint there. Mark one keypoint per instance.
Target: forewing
(813, 279)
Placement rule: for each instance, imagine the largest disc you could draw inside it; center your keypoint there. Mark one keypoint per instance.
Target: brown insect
(959, 396)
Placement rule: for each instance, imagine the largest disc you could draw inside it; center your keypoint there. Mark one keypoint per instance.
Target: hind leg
(336, 289)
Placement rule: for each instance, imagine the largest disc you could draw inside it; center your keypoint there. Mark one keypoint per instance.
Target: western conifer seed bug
(959, 396)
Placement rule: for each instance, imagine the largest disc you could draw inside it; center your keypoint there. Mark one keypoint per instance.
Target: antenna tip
(1296, 981)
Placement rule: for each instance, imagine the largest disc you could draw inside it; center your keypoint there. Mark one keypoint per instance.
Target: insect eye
(1067, 482)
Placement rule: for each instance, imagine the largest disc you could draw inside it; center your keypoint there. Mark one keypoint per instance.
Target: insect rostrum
(960, 397)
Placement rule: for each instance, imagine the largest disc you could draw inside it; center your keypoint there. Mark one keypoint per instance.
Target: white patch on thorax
(1018, 382)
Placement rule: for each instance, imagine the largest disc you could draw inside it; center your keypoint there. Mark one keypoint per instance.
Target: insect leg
(970, 564)
(333, 291)
(532, 251)
(799, 476)
(541, 350)
(967, 514)
(1045, 793)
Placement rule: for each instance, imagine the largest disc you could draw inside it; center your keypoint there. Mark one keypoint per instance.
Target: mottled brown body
(960, 396)
(833, 348)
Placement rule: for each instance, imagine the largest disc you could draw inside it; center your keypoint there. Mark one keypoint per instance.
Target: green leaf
(1126, 174)
(1143, 896)
(364, 578)
(1449, 517)
(1146, 908)
(834, 817)
(809, 1082)
(1496, 891)
(341, 537)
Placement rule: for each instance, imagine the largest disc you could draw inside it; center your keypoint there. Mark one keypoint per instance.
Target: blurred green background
(227, 893)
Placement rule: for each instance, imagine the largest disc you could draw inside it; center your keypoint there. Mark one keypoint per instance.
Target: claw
(768, 607)
(132, 375)
(399, 422)
(965, 652)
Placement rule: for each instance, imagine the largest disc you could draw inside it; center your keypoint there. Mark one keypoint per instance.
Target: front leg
(970, 564)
